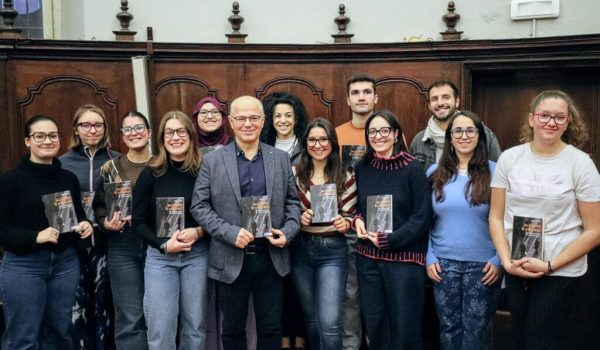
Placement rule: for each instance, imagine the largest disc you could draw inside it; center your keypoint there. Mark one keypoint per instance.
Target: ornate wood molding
(188, 80)
(39, 87)
(262, 92)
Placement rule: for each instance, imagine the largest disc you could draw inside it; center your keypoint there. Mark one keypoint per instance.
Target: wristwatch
(163, 248)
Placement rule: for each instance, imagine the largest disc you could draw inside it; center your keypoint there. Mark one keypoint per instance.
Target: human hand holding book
(47, 235)
(115, 223)
(175, 245)
(84, 228)
(277, 239)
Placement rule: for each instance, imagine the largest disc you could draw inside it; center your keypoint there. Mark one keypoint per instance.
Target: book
(118, 198)
(86, 201)
(207, 149)
(351, 154)
(169, 215)
(323, 200)
(60, 211)
(527, 237)
(379, 213)
(256, 215)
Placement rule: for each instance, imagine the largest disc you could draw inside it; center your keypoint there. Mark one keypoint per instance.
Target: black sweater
(173, 183)
(22, 214)
(405, 180)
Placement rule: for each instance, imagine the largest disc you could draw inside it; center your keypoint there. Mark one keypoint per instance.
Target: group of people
(320, 283)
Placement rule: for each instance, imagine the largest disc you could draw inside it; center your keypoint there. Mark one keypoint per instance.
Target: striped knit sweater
(346, 206)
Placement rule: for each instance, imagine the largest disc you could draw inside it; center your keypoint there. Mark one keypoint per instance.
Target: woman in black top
(40, 269)
(175, 275)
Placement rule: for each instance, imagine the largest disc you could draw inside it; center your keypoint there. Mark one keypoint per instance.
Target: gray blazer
(216, 207)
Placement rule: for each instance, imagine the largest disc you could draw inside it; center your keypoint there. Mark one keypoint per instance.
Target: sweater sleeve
(142, 216)
(13, 238)
(419, 220)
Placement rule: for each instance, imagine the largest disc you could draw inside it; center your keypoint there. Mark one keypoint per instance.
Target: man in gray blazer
(241, 263)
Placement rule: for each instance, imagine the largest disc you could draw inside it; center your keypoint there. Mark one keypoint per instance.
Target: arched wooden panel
(405, 97)
(317, 105)
(60, 96)
(180, 93)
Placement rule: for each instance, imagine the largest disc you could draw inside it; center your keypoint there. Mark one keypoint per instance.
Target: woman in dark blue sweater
(40, 269)
(175, 275)
(390, 262)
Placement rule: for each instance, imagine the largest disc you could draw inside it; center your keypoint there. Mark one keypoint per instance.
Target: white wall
(311, 21)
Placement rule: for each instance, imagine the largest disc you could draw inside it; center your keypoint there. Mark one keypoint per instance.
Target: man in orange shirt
(361, 98)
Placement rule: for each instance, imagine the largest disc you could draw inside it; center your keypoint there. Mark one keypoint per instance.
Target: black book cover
(118, 198)
(323, 200)
(351, 154)
(86, 201)
(169, 215)
(60, 211)
(379, 213)
(528, 237)
(256, 215)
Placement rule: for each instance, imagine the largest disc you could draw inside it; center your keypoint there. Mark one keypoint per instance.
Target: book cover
(379, 213)
(169, 215)
(256, 215)
(351, 154)
(86, 201)
(118, 198)
(323, 200)
(60, 211)
(207, 149)
(528, 237)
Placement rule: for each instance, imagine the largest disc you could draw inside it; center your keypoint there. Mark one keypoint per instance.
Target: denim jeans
(176, 286)
(391, 298)
(540, 312)
(465, 307)
(38, 291)
(90, 327)
(259, 278)
(319, 270)
(126, 271)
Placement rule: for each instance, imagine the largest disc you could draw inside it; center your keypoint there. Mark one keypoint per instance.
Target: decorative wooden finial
(451, 19)
(342, 23)
(8, 13)
(124, 18)
(236, 23)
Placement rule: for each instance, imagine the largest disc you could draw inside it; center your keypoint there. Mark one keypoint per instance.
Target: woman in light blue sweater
(461, 259)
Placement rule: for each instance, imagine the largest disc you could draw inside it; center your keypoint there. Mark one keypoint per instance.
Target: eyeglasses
(457, 133)
(89, 126)
(544, 118)
(254, 119)
(384, 132)
(322, 141)
(181, 132)
(128, 130)
(214, 112)
(40, 137)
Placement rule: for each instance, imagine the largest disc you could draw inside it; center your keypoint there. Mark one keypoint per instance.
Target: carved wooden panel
(60, 96)
(313, 97)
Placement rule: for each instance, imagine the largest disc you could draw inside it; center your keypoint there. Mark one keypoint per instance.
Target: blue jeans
(351, 308)
(38, 291)
(319, 270)
(126, 271)
(391, 299)
(465, 307)
(176, 285)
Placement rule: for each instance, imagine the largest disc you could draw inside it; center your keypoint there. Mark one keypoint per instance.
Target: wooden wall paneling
(7, 153)
(405, 97)
(313, 97)
(47, 91)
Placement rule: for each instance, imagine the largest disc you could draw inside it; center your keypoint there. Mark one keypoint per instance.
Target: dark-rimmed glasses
(181, 132)
(89, 126)
(384, 132)
(457, 133)
(322, 141)
(213, 112)
(40, 137)
(138, 128)
(544, 118)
